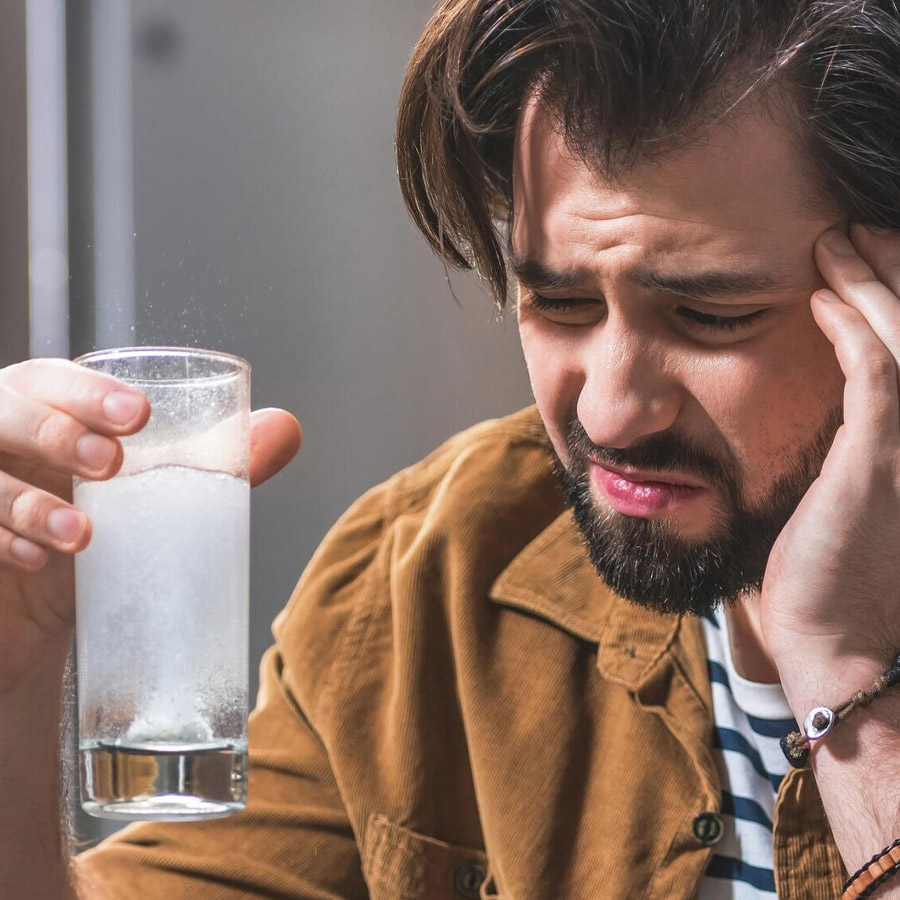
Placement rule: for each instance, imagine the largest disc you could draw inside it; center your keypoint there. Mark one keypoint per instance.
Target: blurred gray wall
(13, 186)
(269, 223)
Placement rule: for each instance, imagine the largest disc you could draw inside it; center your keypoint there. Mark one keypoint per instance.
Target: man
(456, 704)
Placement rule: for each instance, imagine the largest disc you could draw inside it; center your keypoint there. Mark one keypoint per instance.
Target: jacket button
(708, 828)
(467, 879)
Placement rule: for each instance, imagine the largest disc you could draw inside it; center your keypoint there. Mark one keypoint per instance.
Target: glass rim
(240, 366)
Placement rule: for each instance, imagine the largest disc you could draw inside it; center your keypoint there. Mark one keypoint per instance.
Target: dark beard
(643, 561)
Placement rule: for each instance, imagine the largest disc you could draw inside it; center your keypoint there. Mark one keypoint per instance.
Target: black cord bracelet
(873, 874)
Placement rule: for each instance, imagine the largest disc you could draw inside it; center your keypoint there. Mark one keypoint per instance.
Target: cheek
(555, 380)
(763, 402)
(774, 403)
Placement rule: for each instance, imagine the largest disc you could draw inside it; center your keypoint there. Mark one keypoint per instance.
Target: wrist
(856, 763)
(829, 679)
(856, 770)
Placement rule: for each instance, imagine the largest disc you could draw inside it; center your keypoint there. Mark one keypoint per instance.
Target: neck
(748, 650)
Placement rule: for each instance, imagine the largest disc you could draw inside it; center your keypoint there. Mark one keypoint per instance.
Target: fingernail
(95, 452)
(65, 524)
(120, 407)
(838, 243)
(828, 296)
(26, 552)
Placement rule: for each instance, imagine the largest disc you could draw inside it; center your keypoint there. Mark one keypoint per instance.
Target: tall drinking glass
(162, 596)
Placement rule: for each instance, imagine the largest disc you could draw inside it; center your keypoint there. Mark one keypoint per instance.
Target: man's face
(665, 321)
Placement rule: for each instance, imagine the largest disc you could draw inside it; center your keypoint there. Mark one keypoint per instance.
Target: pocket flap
(401, 864)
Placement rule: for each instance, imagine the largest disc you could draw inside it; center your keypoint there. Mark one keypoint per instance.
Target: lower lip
(641, 498)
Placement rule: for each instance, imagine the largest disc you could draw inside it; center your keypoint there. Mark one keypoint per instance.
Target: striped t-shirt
(749, 719)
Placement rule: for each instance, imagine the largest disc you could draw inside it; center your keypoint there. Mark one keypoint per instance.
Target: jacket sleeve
(294, 840)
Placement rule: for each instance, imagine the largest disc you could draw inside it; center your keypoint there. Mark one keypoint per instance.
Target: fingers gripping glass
(162, 595)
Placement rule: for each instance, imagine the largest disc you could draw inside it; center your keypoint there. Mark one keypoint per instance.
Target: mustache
(664, 452)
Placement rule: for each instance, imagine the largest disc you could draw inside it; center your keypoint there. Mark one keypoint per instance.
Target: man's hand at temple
(830, 594)
(829, 608)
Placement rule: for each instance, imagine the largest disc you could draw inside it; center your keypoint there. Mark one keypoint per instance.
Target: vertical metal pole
(48, 233)
(113, 145)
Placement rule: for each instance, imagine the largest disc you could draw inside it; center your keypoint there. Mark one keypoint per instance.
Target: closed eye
(559, 304)
(695, 319)
(552, 304)
(719, 323)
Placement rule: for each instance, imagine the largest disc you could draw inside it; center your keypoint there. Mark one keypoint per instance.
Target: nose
(630, 391)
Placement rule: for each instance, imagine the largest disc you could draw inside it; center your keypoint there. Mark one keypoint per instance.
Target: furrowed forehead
(710, 216)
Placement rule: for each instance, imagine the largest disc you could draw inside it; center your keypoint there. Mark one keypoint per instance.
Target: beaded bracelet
(865, 880)
(822, 719)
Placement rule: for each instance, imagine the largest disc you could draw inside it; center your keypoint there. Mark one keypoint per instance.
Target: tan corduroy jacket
(457, 707)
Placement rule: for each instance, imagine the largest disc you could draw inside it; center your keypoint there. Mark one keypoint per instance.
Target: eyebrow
(698, 285)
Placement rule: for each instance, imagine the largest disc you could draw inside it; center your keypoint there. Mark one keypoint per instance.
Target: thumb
(275, 437)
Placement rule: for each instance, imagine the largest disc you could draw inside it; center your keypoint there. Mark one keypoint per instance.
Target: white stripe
(746, 841)
(727, 715)
(744, 778)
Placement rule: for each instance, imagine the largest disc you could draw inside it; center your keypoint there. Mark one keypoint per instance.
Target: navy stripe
(711, 619)
(736, 870)
(717, 673)
(729, 739)
(744, 808)
(773, 728)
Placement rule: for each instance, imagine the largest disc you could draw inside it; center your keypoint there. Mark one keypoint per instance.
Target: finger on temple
(872, 391)
(861, 287)
(880, 248)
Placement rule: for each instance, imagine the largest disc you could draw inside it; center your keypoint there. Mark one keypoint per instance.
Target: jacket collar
(553, 577)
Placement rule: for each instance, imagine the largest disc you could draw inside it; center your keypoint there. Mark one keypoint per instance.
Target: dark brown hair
(630, 79)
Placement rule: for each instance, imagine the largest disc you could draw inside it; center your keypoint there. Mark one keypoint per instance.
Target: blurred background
(220, 173)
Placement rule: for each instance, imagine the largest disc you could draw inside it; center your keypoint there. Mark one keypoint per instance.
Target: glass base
(163, 782)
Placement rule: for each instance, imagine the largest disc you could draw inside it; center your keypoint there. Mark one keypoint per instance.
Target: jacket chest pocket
(401, 864)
